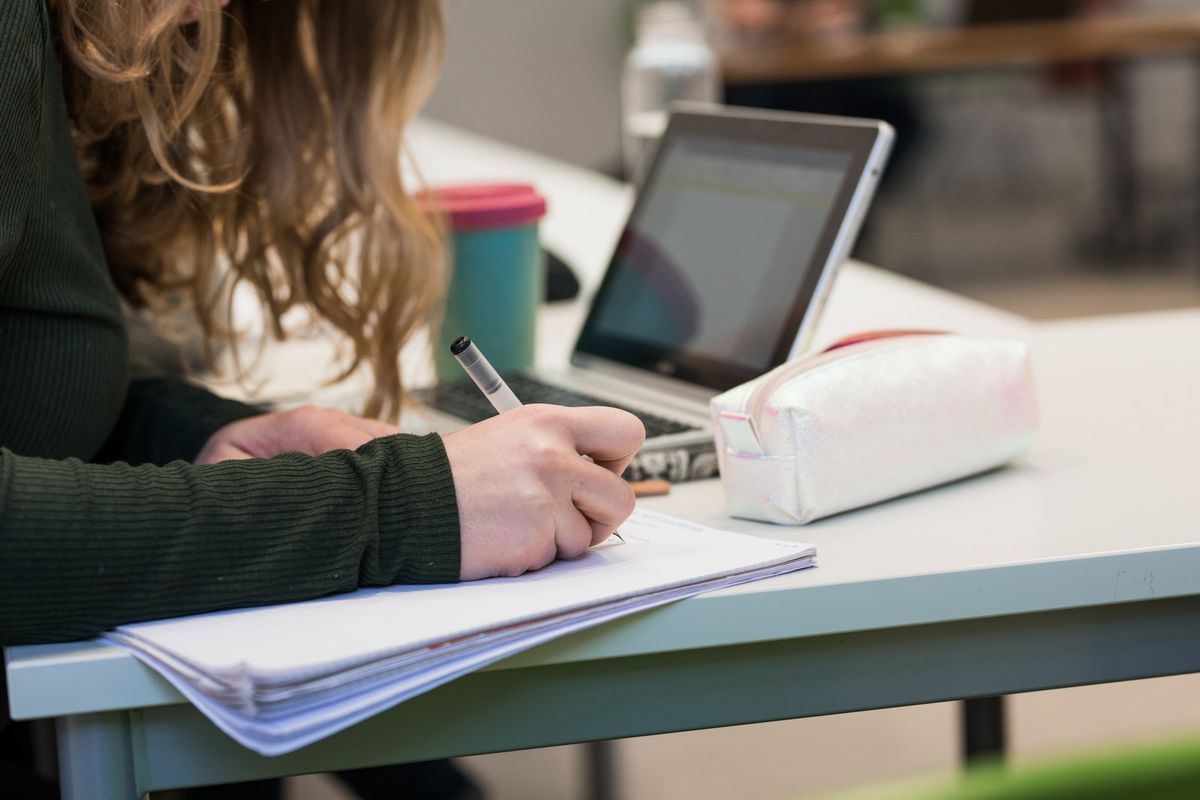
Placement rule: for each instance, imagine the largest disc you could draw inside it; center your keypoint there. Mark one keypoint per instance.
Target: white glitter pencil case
(872, 417)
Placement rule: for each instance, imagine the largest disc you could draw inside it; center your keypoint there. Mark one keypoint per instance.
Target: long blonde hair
(268, 135)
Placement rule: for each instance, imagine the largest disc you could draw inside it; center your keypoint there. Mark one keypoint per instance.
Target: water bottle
(670, 61)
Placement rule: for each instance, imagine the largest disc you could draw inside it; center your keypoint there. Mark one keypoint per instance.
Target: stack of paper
(280, 677)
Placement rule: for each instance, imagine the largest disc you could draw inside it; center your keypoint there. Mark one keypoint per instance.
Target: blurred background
(1048, 162)
(1048, 153)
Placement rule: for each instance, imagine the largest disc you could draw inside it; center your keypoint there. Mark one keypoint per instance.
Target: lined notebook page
(280, 644)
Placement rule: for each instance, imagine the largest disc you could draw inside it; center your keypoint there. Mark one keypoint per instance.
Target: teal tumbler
(498, 278)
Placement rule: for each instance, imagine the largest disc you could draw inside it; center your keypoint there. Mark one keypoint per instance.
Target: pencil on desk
(653, 487)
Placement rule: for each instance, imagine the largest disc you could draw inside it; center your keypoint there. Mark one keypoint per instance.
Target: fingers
(315, 430)
(597, 502)
(222, 451)
(308, 429)
(525, 496)
(375, 428)
(572, 531)
(315, 439)
(604, 500)
(610, 436)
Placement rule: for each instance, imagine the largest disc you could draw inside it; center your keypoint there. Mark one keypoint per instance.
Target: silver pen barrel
(484, 375)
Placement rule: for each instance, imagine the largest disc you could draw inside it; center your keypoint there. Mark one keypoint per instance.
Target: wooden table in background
(972, 47)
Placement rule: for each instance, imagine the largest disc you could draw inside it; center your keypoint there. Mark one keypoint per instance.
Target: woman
(143, 143)
(266, 135)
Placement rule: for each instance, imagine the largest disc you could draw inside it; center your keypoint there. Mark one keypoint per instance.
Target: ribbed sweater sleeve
(85, 547)
(20, 101)
(167, 419)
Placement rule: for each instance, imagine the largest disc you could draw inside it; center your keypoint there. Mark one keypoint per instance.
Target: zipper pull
(740, 434)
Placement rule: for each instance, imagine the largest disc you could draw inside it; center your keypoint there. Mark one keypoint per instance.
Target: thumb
(317, 439)
(222, 451)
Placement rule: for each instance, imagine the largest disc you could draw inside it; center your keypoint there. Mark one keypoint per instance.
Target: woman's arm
(168, 419)
(84, 547)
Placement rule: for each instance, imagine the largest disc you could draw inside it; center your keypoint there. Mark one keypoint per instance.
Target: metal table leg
(95, 757)
(601, 770)
(983, 729)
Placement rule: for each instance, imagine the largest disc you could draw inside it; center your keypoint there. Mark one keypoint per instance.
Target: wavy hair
(265, 136)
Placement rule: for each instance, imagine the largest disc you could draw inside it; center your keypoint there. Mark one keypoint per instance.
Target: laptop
(720, 273)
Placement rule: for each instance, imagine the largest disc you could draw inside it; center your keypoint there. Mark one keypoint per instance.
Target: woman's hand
(525, 494)
(307, 429)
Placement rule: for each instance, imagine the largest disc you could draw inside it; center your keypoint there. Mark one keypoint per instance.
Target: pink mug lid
(480, 206)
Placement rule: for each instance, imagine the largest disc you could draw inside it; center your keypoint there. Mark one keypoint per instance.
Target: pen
(480, 370)
(484, 375)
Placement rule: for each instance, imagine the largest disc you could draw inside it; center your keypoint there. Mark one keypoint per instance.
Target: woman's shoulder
(24, 40)
(24, 22)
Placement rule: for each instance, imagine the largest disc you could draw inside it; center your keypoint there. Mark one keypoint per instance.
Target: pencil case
(870, 418)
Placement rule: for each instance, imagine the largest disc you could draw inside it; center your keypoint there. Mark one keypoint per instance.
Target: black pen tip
(459, 345)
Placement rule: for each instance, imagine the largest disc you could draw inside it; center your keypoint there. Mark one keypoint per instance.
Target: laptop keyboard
(464, 400)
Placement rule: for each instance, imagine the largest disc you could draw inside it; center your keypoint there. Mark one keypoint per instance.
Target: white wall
(542, 74)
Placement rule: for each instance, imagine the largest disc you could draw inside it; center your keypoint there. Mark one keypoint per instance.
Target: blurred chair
(1166, 771)
(1121, 233)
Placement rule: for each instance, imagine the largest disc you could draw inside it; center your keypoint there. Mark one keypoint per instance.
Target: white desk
(1079, 565)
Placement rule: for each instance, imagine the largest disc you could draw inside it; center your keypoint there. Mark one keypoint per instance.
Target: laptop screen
(709, 271)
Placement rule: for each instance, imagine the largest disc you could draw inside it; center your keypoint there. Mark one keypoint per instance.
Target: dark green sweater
(88, 541)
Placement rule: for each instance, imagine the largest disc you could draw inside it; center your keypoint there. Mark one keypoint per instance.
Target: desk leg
(601, 770)
(95, 757)
(983, 729)
(1120, 236)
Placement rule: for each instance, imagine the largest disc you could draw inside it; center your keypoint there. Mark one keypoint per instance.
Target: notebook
(719, 275)
(280, 677)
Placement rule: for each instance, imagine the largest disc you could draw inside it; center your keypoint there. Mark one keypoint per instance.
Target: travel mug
(498, 277)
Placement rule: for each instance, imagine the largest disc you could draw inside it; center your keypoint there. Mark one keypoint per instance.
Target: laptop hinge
(657, 385)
